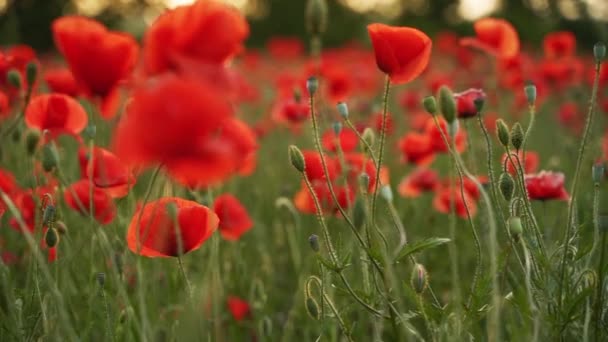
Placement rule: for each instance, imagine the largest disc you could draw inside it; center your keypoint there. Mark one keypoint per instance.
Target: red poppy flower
(25, 203)
(416, 148)
(401, 52)
(339, 83)
(156, 235)
(494, 36)
(530, 164)
(358, 163)
(106, 170)
(314, 167)
(347, 139)
(419, 181)
(292, 111)
(207, 31)
(304, 201)
(410, 100)
(446, 196)
(8, 184)
(5, 107)
(546, 185)
(234, 219)
(465, 102)
(56, 113)
(61, 81)
(78, 197)
(436, 138)
(16, 58)
(375, 121)
(571, 117)
(559, 44)
(285, 48)
(239, 308)
(97, 57)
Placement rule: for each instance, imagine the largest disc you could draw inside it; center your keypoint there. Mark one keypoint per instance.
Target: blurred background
(28, 21)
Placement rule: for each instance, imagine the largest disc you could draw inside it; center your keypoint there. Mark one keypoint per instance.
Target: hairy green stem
(387, 87)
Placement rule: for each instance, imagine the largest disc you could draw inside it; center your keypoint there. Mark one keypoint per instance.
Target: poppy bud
(32, 137)
(517, 136)
(479, 102)
(419, 279)
(369, 136)
(51, 238)
(316, 17)
(447, 104)
(430, 105)
(506, 185)
(515, 227)
(48, 217)
(364, 180)
(453, 128)
(530, 92)
(313, 241)
(50, 158)
(599, 51)
(597, 172)
(312, 84)
(386, 193)
(602, 221)
(337, 126)
(31, 73)
(13, 77)
(343, 109)
(296, 158)
(61, 227)
(503, 132)
(312, 308)
(90, 131)
(359, 212)
(101, 279)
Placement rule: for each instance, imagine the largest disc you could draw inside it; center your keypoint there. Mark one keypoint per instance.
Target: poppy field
(406, 187)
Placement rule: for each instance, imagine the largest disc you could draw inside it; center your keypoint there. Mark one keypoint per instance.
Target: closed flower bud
(359, 212)
(296, 158)
(31, 73)
(479, 102)
(32, 137)
(386, 193)
(337, 126)
(506, 186)
(48, 216)
(419, 279)
(599, 51)
(364, 181)
(502, 132)
(316, 17)
(453, 128)
(313, 241)
(597, 172)
(61, 228)
(447, 104)
(515, 227)
(430, 105)
(13, 77)
(312, 308)
(51, 238)
(342, 109)
(369, 136)
(312, 84)
(517, 136)
(50, 157)
(101, 279)
(530, 92)
(90, 131)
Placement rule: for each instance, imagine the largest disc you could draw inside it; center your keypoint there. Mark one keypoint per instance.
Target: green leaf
(419, 246)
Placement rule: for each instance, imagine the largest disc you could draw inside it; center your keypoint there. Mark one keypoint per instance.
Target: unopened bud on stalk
(453, 128)
(369, 136)
(359, 212)
(90, 131)
(530, 92)
(386, 193)
(337, 126)
(48, 216)
(342, 109)
(517, 136)
(312, 308)
(31, 73)
(312, 84)
(316, 17)
(506, 185)
(51, 238)
(430, 105)
(479, 102)
(32, 137)
(419, 279)
(364, 181)
(515, 227)
(597, 172)
(13, 77)
(296, 158)
(101, 279)
(313, 241)
(50, 157)
(502, 131)
(447, 104)
(599, 51)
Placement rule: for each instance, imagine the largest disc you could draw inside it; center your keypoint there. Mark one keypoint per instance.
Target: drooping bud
(359, 212)
(13, 77)
(419, 279)
(515, 227)
(502, 131)
(31, 73)
(530, 92)
(447, 104)
(312, 308)
(342, 109)
(337, 126)
(517, 136)
(479, 102)
(51, 238)
(369, 137)
(101, 279)
(386, 193)
(312, 84)
(597, 172)
(296, 158)
(506, 186)
(313, 241)
(32, 137)
(48, 216)
(50, 157)
(599, 51)
(316, 17)
(430, 105)
(364, 181)
(453, 128)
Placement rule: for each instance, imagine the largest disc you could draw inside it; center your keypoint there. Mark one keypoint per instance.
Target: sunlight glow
(474, 9)
(91, 7)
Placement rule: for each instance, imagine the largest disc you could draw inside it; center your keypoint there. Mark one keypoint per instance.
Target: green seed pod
(51, 238)
(517, 136)
(453, 128)
(515, 227)
(386, 193)
(599, 51)
(50, 157)
(369, 137)
(359, 212)
(342, 109)
(479, 102)
(337, 127)
(313, 241)
(447, 104)
(597, 172)
(316, 17)
(364, 181)
(31, 73)
(90, 131)
(312, 308)
(32, 137)
(419, 279)
(312, 84)
(506, 186)
(48, 216)
(430, 105)
(530, 92)
(296, 158)
(502, 131)
(13, 77)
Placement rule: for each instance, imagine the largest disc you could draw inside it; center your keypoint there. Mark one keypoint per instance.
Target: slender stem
(600, 289)
(182, 271)
(387, 87)
(330, 303)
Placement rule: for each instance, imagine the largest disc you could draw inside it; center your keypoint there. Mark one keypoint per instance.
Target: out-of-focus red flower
(8, 183)
(304, 202)
(465, 102)
(436, 138)
(24, 201)
(153, 232)
(570, 116)
(358, 163)
(61, 80)
(15, 58)
(347, 139)
(106, 170)
(78, 197)
(339, 83)
(546, 185)
(239, 308)
(5, 106)
(410, 100)
(285, 48)
(314, 167)
(559, 44)
(56, 113)
(291, 111)
(418, 181)
(234, 219)
(376, 122)
(401, 52)
(494, 36)
(417, 148)
(448, 196)
(207, 32)
(98, 58)
(530, 164)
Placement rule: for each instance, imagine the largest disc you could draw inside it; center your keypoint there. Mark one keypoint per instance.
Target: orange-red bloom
(234, 219)
(416, 148)
(546, 185)
(239, 308)
(401, 52)
(153, 229)
(78, 197)
(97, 57)
(494, 36)
(419, 181)
(465, 102)
(347, 139)
(106, 171)
(56, 113)
(453, 196)
(530, 164)
(559, 44)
